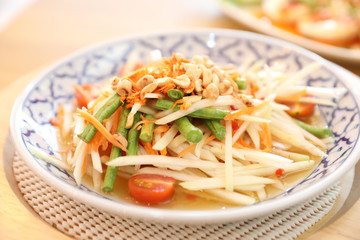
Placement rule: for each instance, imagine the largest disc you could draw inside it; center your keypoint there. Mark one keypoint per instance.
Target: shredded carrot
(248, 147)
(163, 151)
(248, 110)
(94, 144)
(143, 122)
(192, 147)
(161, 129)
(157, 69)
(263, 142)
(115, 124)
(209, 139)
(100, 128)
(99, 140)
(186, 150)
(265, 138)
(133, 82)
(135, 76)
(148, 148)
(177, 102)
(185, 105)
(166, 88)
(133, 98)
(146, 124)
(243, 143)
(238, 145)
(268, 133)
(147, 127)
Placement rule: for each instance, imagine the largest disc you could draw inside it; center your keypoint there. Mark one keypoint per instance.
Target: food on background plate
(187, 125)
(335, 22)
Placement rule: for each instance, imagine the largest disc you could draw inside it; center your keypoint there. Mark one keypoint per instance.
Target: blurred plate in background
(243, 15)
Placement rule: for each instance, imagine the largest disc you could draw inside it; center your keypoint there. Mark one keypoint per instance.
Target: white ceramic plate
(244, 16)
(31, 113)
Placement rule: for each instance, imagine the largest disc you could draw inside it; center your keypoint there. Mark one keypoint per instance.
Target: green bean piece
(146, 136)
(241, 83)
(215, 127)
(204, 113)
(188, 130)
(111, 172)
(163, 104)
(317, 131)
(175, 94)
(104, 112)
(133, 137)
(209, 113)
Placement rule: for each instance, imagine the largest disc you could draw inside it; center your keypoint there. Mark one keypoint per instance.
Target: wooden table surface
(51, 29)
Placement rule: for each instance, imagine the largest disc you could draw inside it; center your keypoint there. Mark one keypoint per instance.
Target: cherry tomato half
(300, 110)
(151, 188)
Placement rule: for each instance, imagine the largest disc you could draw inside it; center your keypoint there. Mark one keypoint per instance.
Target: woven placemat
(81, 221)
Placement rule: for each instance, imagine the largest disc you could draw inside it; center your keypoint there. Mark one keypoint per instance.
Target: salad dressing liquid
(183, 200)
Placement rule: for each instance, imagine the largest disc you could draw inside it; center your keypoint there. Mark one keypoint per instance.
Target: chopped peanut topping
(207, 77)
(182, 81)
(225, 87)
(148, 89)
(144, 81)
(215, 79)
(198, 86)
(193, 72)
(219, 72)
(124, 87)
(114, 83)
(163, 81)
(211, 91)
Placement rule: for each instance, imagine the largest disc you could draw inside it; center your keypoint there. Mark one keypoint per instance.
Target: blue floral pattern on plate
(239, 48)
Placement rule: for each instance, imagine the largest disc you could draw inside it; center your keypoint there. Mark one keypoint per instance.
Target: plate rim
(184, 216)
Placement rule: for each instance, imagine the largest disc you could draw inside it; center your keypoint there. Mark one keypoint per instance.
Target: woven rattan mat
(81, 221)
